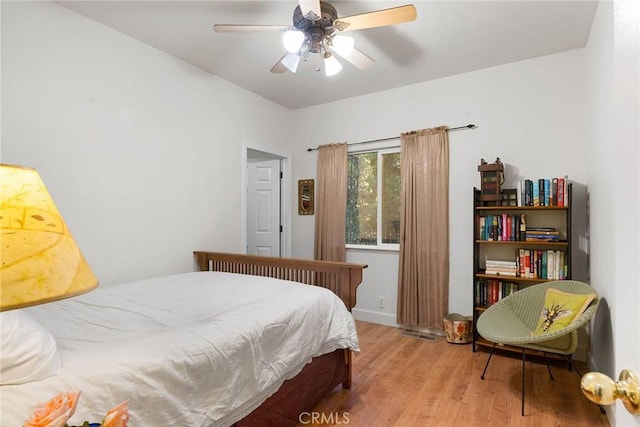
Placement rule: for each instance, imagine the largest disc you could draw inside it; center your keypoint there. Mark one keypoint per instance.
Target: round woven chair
(512, 320)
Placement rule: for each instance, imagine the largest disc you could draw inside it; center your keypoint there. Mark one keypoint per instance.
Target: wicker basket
(458, 328)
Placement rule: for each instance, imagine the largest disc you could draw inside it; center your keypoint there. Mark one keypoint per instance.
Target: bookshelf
(515, 247)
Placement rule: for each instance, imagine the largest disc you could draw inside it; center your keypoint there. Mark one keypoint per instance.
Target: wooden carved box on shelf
(519, 244)
(491, 178)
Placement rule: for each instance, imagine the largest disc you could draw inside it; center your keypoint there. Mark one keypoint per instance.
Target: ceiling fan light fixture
(291, 61)
(292, 40)
(331, 65)
(343, 45)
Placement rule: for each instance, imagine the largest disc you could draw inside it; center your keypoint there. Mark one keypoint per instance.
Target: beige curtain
(331, 202)
(423, 277)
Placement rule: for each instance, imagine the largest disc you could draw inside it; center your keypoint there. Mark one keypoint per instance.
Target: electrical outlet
(381, 302)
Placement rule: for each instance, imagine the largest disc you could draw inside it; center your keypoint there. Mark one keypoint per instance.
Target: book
(563, 266)
(505, 228)
(536, 238)
(547, 192)
(519, 193)
(494, 228)
(495, 262)
(501, 273)
(530, 233)
(560, 192)
(553, 200)
(521, 262)
(542, 233)
(540, 228)
(551, 255)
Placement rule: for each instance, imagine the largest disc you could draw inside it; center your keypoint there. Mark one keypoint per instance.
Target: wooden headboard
(340, 277)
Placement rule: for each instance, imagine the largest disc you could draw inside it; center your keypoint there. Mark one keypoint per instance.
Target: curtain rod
(469, 126)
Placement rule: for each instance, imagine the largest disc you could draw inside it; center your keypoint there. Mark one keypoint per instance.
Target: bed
(217, 347)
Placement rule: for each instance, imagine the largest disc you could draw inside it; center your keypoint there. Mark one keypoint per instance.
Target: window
(373, 199)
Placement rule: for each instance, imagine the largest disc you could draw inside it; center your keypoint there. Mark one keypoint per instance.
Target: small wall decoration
(305, 197)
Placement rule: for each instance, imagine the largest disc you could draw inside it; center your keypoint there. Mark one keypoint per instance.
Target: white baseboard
(375, 317)
(389, 320)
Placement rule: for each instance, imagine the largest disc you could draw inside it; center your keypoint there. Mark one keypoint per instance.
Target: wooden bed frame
(324, 373)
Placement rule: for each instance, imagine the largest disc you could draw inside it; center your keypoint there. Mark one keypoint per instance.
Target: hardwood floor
(404, 381)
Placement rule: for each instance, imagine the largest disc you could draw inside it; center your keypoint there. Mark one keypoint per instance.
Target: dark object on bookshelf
(510, 197)
(491, 178)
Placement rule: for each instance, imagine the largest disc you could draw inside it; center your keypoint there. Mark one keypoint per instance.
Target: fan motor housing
(316, 30)
(328, 15)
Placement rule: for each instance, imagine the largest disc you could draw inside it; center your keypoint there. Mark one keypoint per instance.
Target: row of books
(491, 291)
(543, 192)
(542, 234)
(506, 227)
(531, 263)
(499, 267)
(503, 227)
(542, 264)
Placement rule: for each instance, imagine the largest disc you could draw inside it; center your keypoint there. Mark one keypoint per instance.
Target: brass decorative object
(601, 389)
(305, 197)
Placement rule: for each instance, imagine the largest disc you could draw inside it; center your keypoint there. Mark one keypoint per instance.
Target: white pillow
(29, 352)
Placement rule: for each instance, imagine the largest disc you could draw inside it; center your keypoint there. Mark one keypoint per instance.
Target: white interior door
(263, 208)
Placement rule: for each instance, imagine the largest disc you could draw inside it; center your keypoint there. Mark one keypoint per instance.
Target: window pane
(391, 198)
(362, 190)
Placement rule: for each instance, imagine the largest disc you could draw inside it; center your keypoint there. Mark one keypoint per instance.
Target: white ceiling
(448, 37)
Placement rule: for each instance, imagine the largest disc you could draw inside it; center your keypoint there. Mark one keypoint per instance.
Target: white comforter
(194, 349)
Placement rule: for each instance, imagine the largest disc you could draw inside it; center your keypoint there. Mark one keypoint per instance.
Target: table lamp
(40, 261)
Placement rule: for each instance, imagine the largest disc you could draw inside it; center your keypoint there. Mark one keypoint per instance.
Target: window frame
(380, 149)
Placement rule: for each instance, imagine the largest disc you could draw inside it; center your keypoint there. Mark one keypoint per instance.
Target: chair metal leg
(548, 366)
(488, 360)
(523, 362)
(574, 366)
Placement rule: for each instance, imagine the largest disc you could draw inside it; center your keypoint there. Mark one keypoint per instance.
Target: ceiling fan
(316, 29)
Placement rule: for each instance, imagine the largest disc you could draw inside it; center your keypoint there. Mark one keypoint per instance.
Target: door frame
(285, 195)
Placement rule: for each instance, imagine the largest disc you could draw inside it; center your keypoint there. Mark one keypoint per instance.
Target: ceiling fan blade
(358, 58)
(279, 68)
(378, 18)
(240, 28)
(310, 6)
(289, 61)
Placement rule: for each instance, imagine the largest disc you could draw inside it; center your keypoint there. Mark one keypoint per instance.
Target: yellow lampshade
(40, 260)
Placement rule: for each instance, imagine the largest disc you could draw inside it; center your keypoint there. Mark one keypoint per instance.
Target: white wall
(614, 192)
(531, 114)
(141, 151)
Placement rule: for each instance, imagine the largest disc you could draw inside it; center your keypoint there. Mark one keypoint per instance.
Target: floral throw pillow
(560, 309)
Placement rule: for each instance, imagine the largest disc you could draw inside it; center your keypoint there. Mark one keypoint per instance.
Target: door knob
(602, 390)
